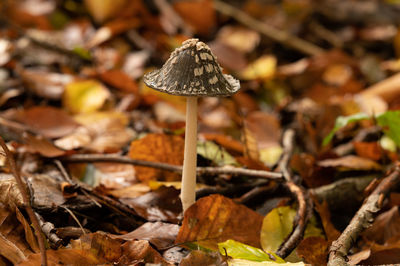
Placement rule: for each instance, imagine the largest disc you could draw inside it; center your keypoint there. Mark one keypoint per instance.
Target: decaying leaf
(161, 235)
(313, 250)
(48, 121)
(100, 131)
(162, 204)
(350, 162)
(157, 148)
(215, 219)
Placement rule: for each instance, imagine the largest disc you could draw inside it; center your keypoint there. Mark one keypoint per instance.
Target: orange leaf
(369, 150)
(215, 219)
(157, 148)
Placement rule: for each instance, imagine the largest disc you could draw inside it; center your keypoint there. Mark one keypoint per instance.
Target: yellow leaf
(85, 96)
(262, 68)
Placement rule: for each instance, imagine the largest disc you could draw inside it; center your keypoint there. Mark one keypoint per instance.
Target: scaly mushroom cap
(192, 70)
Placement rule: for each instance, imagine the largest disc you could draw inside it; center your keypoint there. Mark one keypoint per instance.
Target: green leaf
(240, 262)
(390, 123)
(239, 250)
(343, 121)
(215, 153)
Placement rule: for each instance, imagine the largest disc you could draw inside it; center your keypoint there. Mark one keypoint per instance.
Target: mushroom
(191, 71)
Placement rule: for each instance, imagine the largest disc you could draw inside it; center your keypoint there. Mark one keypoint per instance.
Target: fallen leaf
(162, 204)
(240, 38)
(134, 251)
(114, 175)
(263, 68)
(214, 219)
(13, 244)
(350, 162)
(159, 234)
(218, 155)
(265, 128)
(314, 250)
(323, 210)
(49, 121)
(237, 250)
(385, 227)
(112, 29)
(199, 14)
(10, 195)
(38, 144)
(45, 84)
(84, 96)
(157, 148)
(369, 150)
(198, 257)
(277, 225)
(100, 131)
(102, 10)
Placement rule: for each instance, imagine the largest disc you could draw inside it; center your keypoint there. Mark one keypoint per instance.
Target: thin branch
(271, 32)
(305, 204)
(79, 158)
(50, 231)
(363, 219)
(26, 199)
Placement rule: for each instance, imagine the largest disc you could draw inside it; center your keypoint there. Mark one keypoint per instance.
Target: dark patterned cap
(192, 70)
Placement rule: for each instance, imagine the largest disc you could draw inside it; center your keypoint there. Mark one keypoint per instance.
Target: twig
(363, 219)
(79, 158)
(271, 32)
(305, 204)
(26, 199)
(50, 231)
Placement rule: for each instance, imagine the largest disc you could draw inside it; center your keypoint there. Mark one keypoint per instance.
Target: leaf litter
(71, 83)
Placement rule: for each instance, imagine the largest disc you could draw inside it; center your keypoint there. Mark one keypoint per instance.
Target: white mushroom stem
(188, 190)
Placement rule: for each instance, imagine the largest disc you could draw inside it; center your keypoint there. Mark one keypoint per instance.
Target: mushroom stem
(188, 190)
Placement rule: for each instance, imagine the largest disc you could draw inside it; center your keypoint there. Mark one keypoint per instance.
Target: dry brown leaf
(369, 150)
(141, 250)
(200, 14)
(229, 143)
(240, 38)
(251, 149)
(64, 257)
(161, 235)
(38, 144)
(215, 219)
(198, 257)
(10, 194)
(323, 210)
(313, 250)
(351, 162)
(29, 235)
(100, 132)
(162, 204)
(102, 10)
(157, 148)
(45, 84)
(265, 128)
(385, 227)
(49, 121)
(13, 245)
(111, 29)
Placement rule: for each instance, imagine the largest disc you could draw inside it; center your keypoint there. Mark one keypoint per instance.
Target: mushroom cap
(192, 70)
